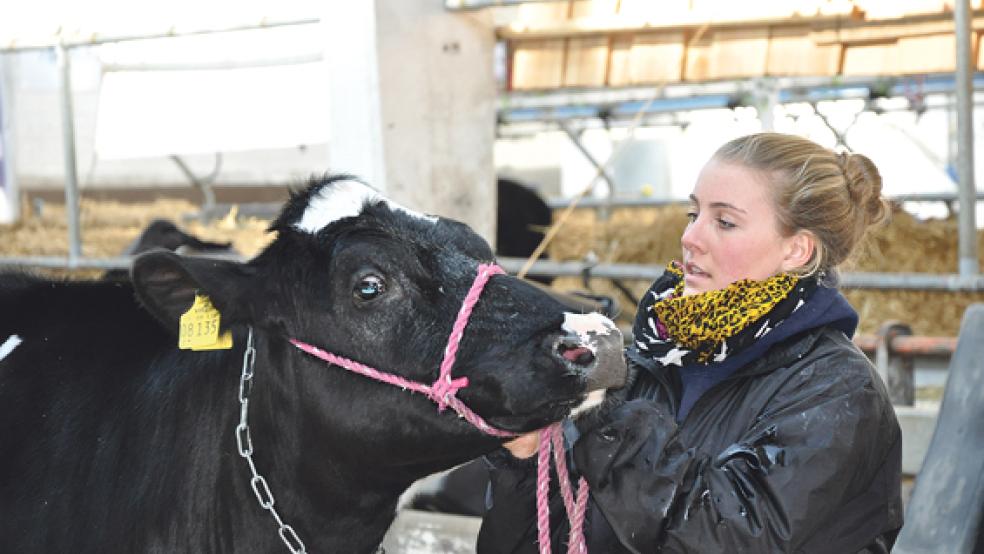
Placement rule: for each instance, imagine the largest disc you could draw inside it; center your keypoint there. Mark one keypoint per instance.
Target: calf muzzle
(591, 344)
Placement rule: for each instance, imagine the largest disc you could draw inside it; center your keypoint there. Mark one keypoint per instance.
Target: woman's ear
(799, 250)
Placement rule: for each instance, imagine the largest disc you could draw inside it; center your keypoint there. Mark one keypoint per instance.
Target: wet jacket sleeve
(509, 524)
(775, 490)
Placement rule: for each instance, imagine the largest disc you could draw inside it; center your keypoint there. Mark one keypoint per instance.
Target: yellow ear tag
(199, 327)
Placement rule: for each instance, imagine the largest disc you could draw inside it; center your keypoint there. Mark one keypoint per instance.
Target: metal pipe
(602, 169)
(7, 174)
(915, 345)
(913, 281)
(59, 262)
(589, 202)
(521, 108)
(118, 262)
(642, 202)
(203, 184)
(95, 39)
(68, 142)
(464, 5)
(576, 269)
(641, 272)
(968, 264)
(300, 59)
(866, 343)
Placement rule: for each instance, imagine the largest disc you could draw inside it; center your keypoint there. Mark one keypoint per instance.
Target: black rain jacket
(798, 451)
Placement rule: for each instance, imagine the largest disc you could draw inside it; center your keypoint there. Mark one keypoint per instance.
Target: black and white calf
(114, 440)
(161, 233)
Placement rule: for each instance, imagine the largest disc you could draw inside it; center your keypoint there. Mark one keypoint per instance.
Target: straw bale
(905, 244)
(108, 227)
(630, 235)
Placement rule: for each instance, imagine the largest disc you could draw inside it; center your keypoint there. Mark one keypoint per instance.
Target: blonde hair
(833, 196)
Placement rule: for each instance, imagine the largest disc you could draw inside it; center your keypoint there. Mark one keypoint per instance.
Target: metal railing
(549, 268)
(895, 350)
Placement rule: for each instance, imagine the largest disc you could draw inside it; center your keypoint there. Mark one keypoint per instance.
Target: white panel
(158, 113)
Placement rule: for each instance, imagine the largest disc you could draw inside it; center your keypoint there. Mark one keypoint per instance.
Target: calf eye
(369, 287)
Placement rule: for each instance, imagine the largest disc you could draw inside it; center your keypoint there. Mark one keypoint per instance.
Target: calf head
(359, 276)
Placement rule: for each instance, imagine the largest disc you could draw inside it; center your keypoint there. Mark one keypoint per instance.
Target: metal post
(204, 184)
(766, 97)
(68, 141)
(8, 181)
(605, 212)
(602, 168)
(895, 368)
(965, 141)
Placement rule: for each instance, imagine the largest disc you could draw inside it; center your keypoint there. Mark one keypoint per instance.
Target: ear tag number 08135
(199, 327)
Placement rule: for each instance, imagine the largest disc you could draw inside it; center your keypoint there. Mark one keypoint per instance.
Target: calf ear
(167, 283)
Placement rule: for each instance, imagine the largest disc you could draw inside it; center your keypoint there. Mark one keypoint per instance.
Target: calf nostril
(578, 355)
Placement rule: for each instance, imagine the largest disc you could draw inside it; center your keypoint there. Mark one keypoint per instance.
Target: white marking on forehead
(344, 199)
(341, 199)
(594, 398)
(8, 346)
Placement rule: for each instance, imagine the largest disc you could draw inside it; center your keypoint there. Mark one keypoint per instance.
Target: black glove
(632, 438)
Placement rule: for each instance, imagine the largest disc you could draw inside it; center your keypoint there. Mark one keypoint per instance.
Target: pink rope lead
(551, 438)
(575, 506)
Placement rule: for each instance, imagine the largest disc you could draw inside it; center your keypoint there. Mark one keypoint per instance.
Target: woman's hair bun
(864, 184)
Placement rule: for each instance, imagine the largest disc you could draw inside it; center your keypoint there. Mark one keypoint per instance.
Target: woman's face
(734, 231)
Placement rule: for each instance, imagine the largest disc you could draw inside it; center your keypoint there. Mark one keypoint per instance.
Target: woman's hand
(524, 446)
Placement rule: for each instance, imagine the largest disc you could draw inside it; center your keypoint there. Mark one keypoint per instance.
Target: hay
(108, 227)
(904, 244)
(629, 235)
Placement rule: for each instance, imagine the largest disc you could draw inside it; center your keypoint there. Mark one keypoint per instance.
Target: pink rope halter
(443, 392)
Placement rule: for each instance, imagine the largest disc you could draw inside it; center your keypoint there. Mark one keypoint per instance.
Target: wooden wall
(616, 43)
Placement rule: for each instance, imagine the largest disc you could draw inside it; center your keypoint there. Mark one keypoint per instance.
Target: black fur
(521, 220)
(161, 233)
(113, 440)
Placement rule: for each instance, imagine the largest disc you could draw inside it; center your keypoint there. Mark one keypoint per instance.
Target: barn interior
(606, 109)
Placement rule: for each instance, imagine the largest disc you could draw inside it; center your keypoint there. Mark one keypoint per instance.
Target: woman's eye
(369, 287)
(692, 216)
(725, 224)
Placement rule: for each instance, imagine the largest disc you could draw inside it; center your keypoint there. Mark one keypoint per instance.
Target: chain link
(245, 444)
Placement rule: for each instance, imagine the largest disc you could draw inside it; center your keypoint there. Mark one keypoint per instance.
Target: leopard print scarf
(707, 328)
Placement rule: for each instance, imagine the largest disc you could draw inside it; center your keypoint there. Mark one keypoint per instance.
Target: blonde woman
(752, 423)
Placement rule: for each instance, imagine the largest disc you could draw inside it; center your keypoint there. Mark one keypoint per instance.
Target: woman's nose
(691, 238)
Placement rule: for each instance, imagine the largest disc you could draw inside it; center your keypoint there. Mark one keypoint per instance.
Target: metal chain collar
(244, 441)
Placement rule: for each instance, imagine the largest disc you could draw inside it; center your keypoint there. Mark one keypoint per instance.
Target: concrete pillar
(413, 104)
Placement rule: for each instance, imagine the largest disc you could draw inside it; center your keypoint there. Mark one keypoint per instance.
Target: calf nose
(571, 349)
(593, 344)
